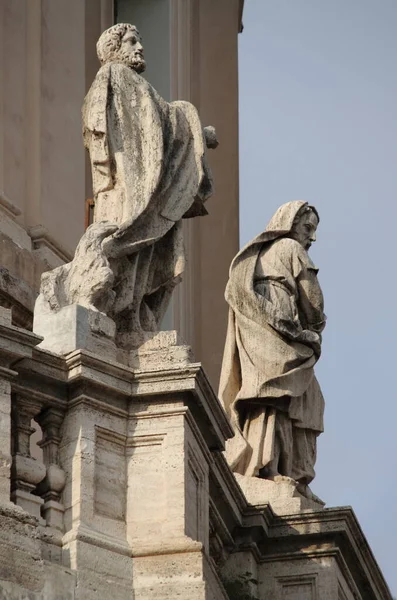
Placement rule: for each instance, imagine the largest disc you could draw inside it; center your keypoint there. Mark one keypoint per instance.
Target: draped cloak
(149, 171)
(267, 357)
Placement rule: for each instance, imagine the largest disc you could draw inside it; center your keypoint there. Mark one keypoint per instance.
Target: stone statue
(149, 171)
(268, 386)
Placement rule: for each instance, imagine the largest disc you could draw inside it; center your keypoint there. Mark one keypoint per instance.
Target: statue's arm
(211, 139)
(311, 301)
(102, 180)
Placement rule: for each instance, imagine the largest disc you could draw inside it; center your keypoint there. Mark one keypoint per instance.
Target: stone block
(159, 350)
(282, 495)
(23, 572)
(32, 504)
(53, 514)
(5, 316)
(74, 327)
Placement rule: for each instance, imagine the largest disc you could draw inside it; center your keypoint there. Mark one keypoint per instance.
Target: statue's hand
(101, 230)
(312, 338)
(110, 247)
(210, 137)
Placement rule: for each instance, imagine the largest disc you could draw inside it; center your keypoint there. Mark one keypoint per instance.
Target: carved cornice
(330, 532)
(17, 295)
(8, 207)
(41, 237)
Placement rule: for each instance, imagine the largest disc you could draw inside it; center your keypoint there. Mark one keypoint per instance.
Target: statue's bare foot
(305, 491)
(274, 475)
(268, 473)
(284, 479)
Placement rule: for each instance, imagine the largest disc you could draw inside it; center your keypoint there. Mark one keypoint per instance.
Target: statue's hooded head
(121, 43)
(297, 220)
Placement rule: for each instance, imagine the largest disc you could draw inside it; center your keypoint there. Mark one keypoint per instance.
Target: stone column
(51, 487)
(14, 344)
(27, 471)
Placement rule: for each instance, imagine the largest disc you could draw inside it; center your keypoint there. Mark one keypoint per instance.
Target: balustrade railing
(36, 485)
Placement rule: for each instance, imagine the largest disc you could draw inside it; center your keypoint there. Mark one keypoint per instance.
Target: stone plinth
(77, 327)
(72, 328)
(163, 349)
(282, 495)
(137, 450)
(137, 465)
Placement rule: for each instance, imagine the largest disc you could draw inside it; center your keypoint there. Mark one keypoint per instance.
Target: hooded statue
(268, 387)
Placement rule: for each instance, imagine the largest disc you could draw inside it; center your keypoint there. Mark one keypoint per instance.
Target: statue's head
(305, 225)
(121, 43)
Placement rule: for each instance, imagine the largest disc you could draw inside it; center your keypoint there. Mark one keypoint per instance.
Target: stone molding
(8, 207)
(352, 552)
(17, 295)
(47, 248)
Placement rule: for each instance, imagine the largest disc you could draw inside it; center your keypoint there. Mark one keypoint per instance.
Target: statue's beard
(134, 60)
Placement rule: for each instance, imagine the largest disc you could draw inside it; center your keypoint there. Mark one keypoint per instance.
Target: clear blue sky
(318, 122)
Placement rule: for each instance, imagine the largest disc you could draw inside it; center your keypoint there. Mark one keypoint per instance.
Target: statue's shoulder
(293, 252)
(287, 244)
(117, 74)
(98, 87)
(297, 254)
(102, 76)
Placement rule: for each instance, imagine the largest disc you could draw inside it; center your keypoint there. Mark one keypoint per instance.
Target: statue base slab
(74, 327)
(282, 495)
(160, 349)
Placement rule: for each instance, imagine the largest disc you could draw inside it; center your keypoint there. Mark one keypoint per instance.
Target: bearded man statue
(149, 171)
(268, 387)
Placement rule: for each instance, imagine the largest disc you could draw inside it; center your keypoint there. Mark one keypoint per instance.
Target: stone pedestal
(138, 501)
(160, 350)
(74, 327)
(137, 486)
(282, 495)
(77, 327)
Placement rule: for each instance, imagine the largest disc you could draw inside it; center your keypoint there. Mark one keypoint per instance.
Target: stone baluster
(27, 471)
(51, 486)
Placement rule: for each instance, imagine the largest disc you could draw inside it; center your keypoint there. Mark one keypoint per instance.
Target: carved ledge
(47, 248)
(8, 207)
